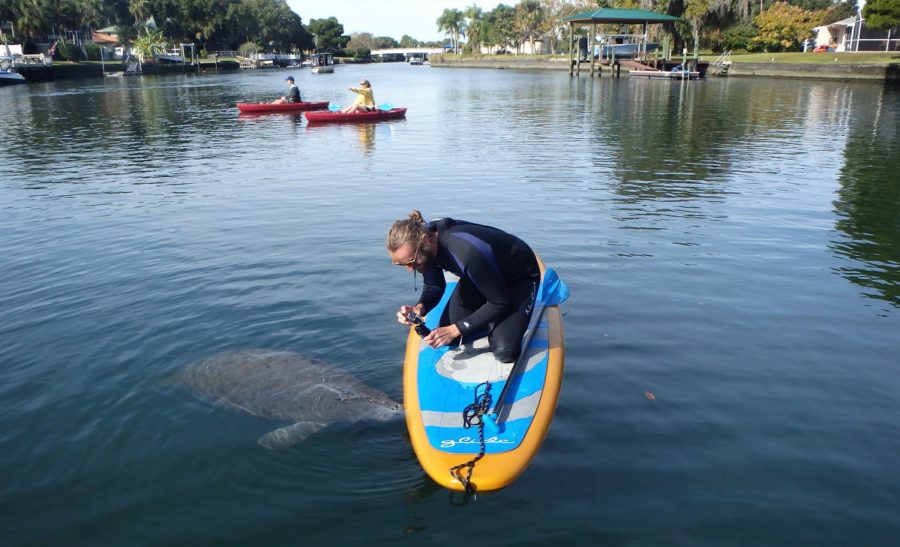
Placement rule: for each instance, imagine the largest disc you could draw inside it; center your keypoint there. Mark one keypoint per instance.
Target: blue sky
(392, 18)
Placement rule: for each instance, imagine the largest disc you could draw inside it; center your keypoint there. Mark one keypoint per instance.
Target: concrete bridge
(400, 54)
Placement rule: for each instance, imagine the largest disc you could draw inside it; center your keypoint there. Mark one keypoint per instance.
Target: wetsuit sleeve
(433, 289)
(480, 266)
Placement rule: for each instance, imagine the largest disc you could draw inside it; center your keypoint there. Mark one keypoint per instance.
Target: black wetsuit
(293, 95)
(498, 279)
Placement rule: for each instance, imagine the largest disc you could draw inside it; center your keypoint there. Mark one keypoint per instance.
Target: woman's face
(412, 257)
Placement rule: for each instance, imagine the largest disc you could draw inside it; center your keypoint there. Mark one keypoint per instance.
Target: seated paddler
(293, 95)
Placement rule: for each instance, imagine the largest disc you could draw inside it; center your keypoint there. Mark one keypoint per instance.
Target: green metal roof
(613, 15)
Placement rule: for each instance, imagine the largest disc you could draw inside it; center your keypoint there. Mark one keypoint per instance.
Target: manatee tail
(289, 435)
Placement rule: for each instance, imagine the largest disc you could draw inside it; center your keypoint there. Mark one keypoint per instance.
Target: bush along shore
(843, 66)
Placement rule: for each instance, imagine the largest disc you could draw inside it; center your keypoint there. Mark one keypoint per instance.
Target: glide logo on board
(450, 443)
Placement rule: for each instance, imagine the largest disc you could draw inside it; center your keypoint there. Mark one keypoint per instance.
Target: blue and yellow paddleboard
(439, 384)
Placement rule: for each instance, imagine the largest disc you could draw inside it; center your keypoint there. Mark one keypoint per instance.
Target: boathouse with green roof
(603, 16)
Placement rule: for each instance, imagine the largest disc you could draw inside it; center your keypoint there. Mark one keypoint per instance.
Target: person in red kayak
(365, 101)
(293, 95)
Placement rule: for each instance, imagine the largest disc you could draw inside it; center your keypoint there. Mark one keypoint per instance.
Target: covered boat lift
(610, 16)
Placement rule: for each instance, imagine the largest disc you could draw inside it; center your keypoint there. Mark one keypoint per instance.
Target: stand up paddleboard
(451, 395)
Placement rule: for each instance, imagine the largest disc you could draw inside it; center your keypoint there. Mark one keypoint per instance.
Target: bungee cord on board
(473, 415)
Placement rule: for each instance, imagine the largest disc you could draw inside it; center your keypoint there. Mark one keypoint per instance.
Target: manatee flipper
(289, 435)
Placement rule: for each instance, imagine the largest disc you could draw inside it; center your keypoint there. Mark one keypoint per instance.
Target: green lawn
(862, 58)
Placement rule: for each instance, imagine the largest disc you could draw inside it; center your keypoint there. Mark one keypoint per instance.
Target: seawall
(42, 73)
(888, 74)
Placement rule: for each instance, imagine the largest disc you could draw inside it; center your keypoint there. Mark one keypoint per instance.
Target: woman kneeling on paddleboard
(498, 279)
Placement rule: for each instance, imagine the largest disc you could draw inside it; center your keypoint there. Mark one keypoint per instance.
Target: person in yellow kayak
(365, 101)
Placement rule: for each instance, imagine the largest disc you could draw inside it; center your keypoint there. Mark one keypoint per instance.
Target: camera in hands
(419, 323)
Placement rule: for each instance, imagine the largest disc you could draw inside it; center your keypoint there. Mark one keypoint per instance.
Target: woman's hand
(442, 336)
(401, 315)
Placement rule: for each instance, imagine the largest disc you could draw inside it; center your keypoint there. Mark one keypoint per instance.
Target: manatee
(283, 385)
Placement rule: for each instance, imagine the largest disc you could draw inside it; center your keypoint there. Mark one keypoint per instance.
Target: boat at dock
(8, 74)
(624, 51)
(677, 73)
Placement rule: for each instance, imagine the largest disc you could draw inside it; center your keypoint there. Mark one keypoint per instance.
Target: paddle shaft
(521, 361)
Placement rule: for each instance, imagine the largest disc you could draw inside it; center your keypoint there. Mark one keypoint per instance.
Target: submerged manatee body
(282, 385)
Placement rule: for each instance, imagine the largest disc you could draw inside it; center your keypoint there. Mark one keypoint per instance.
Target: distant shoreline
(888, 73)
(841, 69)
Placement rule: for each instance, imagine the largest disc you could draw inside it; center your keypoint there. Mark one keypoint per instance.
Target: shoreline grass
(843, 58)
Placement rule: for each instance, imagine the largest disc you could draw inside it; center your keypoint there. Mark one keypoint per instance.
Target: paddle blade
(491, 427)
(553, 289)
(386, 106)
(334, 107)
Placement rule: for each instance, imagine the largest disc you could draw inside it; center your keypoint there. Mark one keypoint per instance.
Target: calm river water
(732, 246)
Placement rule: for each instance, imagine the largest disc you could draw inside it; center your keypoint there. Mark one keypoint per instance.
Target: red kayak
(282, 107)
(324, 116)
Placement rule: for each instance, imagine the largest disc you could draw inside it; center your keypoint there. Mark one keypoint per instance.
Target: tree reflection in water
(868, 201)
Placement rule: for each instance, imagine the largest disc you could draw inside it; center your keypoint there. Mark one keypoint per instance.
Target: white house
(851, 34)
(836, 35)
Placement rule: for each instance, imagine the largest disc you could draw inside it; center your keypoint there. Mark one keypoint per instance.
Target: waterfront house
(851, 34)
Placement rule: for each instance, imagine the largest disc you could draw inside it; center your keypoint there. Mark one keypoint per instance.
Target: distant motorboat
(169, 58)
(322, 63)
(8, 74)
(164, 56)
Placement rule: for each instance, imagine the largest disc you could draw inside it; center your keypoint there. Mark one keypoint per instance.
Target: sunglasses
(409, 262)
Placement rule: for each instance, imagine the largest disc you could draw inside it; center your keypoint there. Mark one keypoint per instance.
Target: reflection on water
(868, 200)
(366, 133)
(366, 137)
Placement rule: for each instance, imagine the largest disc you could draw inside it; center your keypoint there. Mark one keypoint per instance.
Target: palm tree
(452, 22)
(31, 16)
(474, 31)
(530, 20)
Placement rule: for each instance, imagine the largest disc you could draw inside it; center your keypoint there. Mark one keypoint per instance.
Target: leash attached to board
(474, 415)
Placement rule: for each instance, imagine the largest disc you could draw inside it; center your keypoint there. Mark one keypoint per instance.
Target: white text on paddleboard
(450, 443)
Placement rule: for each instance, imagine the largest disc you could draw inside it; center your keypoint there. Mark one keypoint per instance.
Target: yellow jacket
(364, 98)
